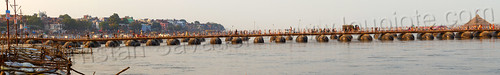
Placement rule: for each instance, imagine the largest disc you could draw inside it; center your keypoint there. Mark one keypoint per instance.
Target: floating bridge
(302, 37)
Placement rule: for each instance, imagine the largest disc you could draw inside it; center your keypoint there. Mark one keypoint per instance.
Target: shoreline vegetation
(40, 23)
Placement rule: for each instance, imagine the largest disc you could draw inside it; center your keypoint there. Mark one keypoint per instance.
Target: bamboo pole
(79, 72)
(122, 71)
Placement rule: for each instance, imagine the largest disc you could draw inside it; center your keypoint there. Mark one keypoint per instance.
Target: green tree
(65, 16)
(136, 26)
(156, 26)
(82, 25)
(114, 21)
(124, 21)
(103, 26)
(3, 25)
(34, 22)
(183, 20)
(73, 25)
(197, 22)
(69, 23)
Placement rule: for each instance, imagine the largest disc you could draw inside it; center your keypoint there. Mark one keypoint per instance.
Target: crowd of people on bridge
(250, 32)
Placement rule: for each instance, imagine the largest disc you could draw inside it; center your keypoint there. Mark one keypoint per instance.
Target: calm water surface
(438, 57)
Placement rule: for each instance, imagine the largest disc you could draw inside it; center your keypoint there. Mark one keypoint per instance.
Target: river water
(438, 57)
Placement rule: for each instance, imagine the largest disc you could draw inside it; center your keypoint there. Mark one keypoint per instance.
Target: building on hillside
(87, 17)
(96, 24)
(53, 24)
(123, 25)
(42, 15)
(4, 19)
(94, 20)
(182, 23)
(104, 19)
(146, 27)
(129, 19)
(146, 20)
(174, 22)
(164, 26)
(55, 28)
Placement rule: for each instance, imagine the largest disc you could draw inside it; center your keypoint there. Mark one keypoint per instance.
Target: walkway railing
(309, 32)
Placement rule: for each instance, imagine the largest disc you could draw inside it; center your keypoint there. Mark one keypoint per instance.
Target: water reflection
(361, 58)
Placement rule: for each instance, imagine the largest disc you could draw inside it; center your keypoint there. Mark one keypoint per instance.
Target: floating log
(496, 34)
(272, 38)
(184, 39)
(236, 40)
(280, 39)
(49, 42)
(201, 39)
(426, 36)
(229, 38)
(365, 37)
(289, 38)
(133, 43)
(245, 38)
(387, 37)
(322, 38)
(407, 37)
(377, 36)
(464, 35)
(258, 39)
(483, 35)
(333, 37)
(92, 44)
(301, 39)
(446, 36)
(30, 42)
(112, 44)
(173, 42)
(159, 40)
(345, 38)
(69, 45)
(152, 42)
(215, 40)
(194, 41)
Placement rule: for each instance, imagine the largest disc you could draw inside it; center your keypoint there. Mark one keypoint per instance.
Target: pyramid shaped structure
(476, 21)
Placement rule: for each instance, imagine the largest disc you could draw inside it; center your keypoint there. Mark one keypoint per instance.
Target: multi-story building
(55, 28)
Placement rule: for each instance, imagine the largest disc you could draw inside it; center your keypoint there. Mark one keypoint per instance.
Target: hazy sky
(282, 13)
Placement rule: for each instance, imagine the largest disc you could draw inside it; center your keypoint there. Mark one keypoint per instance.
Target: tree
(183, 20)
(73, 25)
(3, 24)
(43, 14)
(124, 21)
(82, 25)
(34, 22)
(65, 16)
(114, 21)
(135, 26)
(69, 23)
(197, 22)
(156, 26)
(104, 26)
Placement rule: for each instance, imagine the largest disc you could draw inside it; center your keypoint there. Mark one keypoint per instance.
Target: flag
(7, 14)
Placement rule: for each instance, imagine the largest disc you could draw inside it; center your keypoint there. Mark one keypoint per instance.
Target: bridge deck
(254, 35)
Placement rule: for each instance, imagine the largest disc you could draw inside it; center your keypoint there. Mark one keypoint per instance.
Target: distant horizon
(265, 14)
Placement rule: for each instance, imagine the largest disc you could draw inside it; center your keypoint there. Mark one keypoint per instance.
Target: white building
(146, 27)
(55, 28)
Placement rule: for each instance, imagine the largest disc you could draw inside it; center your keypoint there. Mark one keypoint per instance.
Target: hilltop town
(41, 23)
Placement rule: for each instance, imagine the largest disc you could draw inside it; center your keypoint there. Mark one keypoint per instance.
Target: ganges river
(437, 57)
